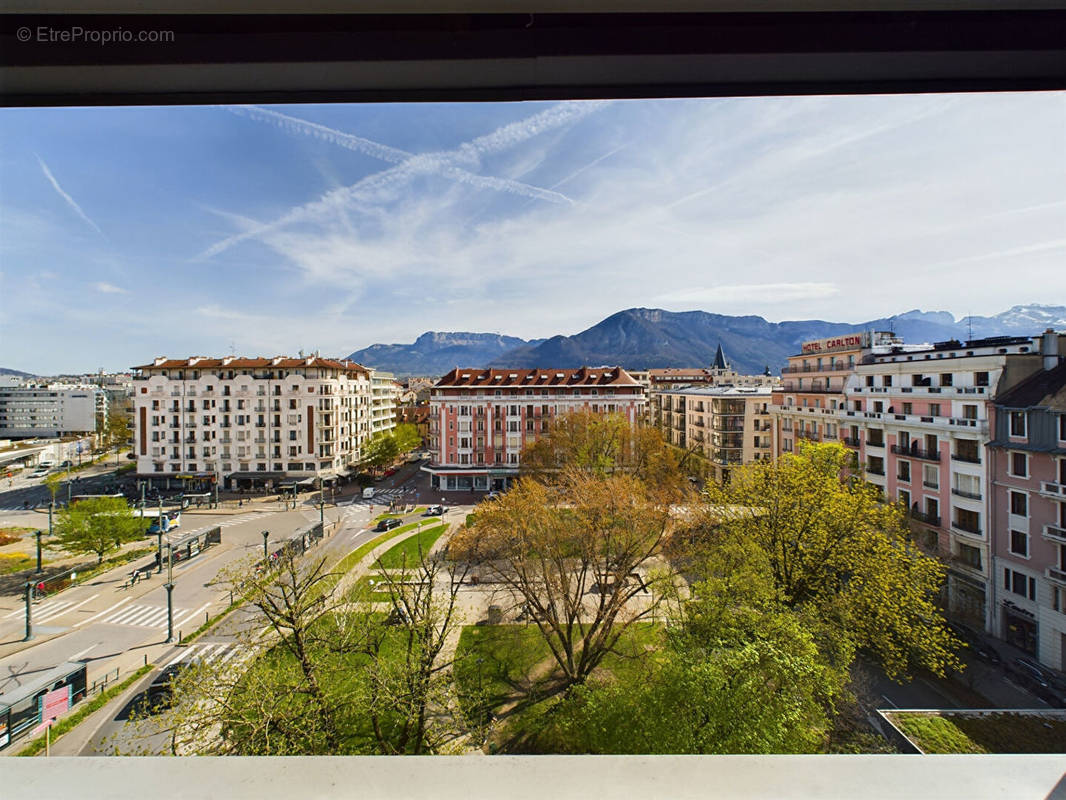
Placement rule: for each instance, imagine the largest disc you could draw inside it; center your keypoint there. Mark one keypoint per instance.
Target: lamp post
(29, 611)
(266, 534)
(159, 533)
(38, 535)
(170, 592)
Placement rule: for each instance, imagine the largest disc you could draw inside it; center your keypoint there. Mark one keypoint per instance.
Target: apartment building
(50, 410)
(805, 405)
(727, 425)
(918, 418)
(481, 419)
(252, 421)
(1027, 496)
(384, 397)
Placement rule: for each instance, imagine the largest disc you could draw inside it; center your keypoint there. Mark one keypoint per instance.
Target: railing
(965, 458)
(928, 519)
(916, 452)
(1050, 487)
(963, 493)
(834, 367)
(1057, 575)
(871, 443)
(1055, 533)
(850, 441)
(875, 470)
(101, 683)
(930, 485)
(966, 528)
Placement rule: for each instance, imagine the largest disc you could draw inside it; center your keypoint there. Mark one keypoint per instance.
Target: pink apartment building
(919, 419)
(480, 419)
(1027, 466)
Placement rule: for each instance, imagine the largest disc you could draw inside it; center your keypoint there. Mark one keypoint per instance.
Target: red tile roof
(529, 378)
(229, 362)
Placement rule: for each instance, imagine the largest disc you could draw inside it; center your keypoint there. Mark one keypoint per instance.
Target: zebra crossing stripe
(191, 615)
(65, 610)
(105, 611)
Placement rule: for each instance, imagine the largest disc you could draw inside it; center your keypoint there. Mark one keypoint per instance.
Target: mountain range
(644, 338)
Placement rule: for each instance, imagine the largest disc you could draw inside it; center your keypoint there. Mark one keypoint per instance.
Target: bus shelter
(24, 707)
(191, 544)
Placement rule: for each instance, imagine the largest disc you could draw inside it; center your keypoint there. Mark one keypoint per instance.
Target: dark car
(387, 524)
(976, 643)
(160, 692)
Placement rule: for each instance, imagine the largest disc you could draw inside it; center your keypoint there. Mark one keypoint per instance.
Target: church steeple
(719, 359)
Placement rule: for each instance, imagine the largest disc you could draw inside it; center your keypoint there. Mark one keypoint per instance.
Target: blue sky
(129, 233)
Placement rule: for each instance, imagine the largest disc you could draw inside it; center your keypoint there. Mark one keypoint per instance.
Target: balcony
(834, 367)
(1056, 491)
(916, 452)
(1054, 533)
(927, 519)
(930, 485)
(963, 562)
(871, 443)
(1056, 575)
(965, 459)
(850, 441)
(963, 493)
(875, 470)
(966, 528)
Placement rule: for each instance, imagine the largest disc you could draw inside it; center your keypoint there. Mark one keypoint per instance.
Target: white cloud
(109, 288)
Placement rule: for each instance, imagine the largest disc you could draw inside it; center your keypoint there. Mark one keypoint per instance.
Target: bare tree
(582, 560)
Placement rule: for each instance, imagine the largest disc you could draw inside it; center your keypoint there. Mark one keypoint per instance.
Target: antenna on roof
(233, 348)
(969, 327)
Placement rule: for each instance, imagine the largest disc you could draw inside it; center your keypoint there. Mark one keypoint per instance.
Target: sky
(130, 233)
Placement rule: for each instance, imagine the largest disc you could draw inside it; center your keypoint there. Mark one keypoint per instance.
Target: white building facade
(47, 411)
(251, 421)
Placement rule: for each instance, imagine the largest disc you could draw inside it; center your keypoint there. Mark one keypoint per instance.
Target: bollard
(146, 659)
(207, 617)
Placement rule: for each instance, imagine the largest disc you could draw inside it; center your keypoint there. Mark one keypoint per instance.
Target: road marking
(61, 611)
(190, 615)
(106, 611)
(142, 616)
(44, 609)
(76, 656)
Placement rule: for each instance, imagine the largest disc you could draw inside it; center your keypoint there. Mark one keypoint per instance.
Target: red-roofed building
(480, 419)
(251, 421)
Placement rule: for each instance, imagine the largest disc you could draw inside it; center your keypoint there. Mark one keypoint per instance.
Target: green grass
(67, 723)
(357, 555)
(406, 552)
(991, 733)
(16, 562)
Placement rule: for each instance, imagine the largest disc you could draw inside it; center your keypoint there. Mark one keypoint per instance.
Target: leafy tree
(115, 430)
(407, 437)
(572, 558)
(98, 525)
(834, 552)
(380, 450)
(604, 444)
(52, 482)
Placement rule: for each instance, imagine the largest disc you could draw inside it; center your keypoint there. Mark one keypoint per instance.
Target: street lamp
(170, 592)
(159, 533)
(38, 535)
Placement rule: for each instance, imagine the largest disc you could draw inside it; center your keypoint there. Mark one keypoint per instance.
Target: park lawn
(15, 562)
(1004, 732)
(357, 555)
(13, 533)
(406, 552)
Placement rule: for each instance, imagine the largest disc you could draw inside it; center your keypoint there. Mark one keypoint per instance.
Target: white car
(40, 472)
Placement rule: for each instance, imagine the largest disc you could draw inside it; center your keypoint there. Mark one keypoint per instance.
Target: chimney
(1049, 349)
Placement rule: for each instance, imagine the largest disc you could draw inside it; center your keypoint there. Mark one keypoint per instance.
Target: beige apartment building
(727, 425)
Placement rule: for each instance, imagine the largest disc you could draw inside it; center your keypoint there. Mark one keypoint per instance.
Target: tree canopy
(98, 525)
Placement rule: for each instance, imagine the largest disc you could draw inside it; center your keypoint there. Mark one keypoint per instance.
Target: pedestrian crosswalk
(229, 523)
(214, 654)
(144, 616)
(51, 609)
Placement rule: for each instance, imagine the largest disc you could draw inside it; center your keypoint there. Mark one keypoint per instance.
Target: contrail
(70, 200)
(440, 163)
(409, 165)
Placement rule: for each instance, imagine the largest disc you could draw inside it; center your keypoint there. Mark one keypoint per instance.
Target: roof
(530, 378)
(722, 391)
(232, 362)
(1045, 389)
(719, 359)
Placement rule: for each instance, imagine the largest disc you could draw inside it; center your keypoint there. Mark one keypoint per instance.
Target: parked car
(40, 472)
(434, 511)
(1041, 682)
(160, 692)
(390, 472)
(977, 645)
(368, 492)
(387, 524)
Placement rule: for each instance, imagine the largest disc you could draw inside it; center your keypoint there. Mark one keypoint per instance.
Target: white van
(368, 492)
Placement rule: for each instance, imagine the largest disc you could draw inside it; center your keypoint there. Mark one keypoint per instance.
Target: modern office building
(255, 421)
(1027, 513)
(50, 410)
(481, 419)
